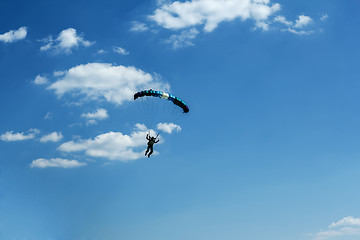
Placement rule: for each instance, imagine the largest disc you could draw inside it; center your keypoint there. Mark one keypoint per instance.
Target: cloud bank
(56, 163)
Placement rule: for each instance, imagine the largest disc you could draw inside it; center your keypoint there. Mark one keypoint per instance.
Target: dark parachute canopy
(152, 93)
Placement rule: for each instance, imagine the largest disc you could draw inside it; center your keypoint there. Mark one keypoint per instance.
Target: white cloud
(346, 231)
(262, 25)
(296, 27)
(14, 35)
(111, 145)
(282, 19)
(299, 32)
(120, 51)
(140, 127)
(138, 27)
(346, 221)
(56, 162)
(52, 137)
(48, 45)
(11, 136)
(168, 127)
(348, 226)
(211, 13)
(39, 80)
(302, 21)
(114, 145)
(183, 39)
(208, 14)
(102, 81)
(100, 114)
(67, 40)
(91, 117)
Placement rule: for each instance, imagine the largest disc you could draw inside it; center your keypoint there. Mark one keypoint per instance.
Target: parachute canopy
(152, 93)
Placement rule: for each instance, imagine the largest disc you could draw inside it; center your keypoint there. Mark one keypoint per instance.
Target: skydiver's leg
(151, 151)
(147, 150)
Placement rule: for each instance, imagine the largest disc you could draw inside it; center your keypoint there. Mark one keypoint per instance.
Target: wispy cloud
(39, 80)
(299, 26)
(138, 27)
(183, 39)
(65, 42)
(282, 19)
(324, 17)
(59, 73)
(20, 136)
(48, 116)
(102, 81)
(92, 117)
(348, 226)
(52, 137)
(191, 16)
(121, 51)
(56, 163)
(302, 21)
(14, 35)
(101, 51)
(299, 32)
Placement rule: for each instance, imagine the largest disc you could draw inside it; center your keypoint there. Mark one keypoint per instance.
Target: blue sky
(269, 149)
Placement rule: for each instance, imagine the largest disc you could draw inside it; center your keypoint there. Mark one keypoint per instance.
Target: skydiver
(151, 142)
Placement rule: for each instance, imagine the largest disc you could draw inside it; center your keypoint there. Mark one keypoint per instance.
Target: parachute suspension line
(160, 103)
(157, 110)
(144, 111)
(155, 132)
(150, 112)
(148, 106)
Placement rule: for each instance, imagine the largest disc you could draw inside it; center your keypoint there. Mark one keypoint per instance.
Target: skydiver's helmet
(152, 138)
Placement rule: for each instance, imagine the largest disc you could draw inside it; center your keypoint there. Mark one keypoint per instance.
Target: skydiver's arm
(157, 141)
